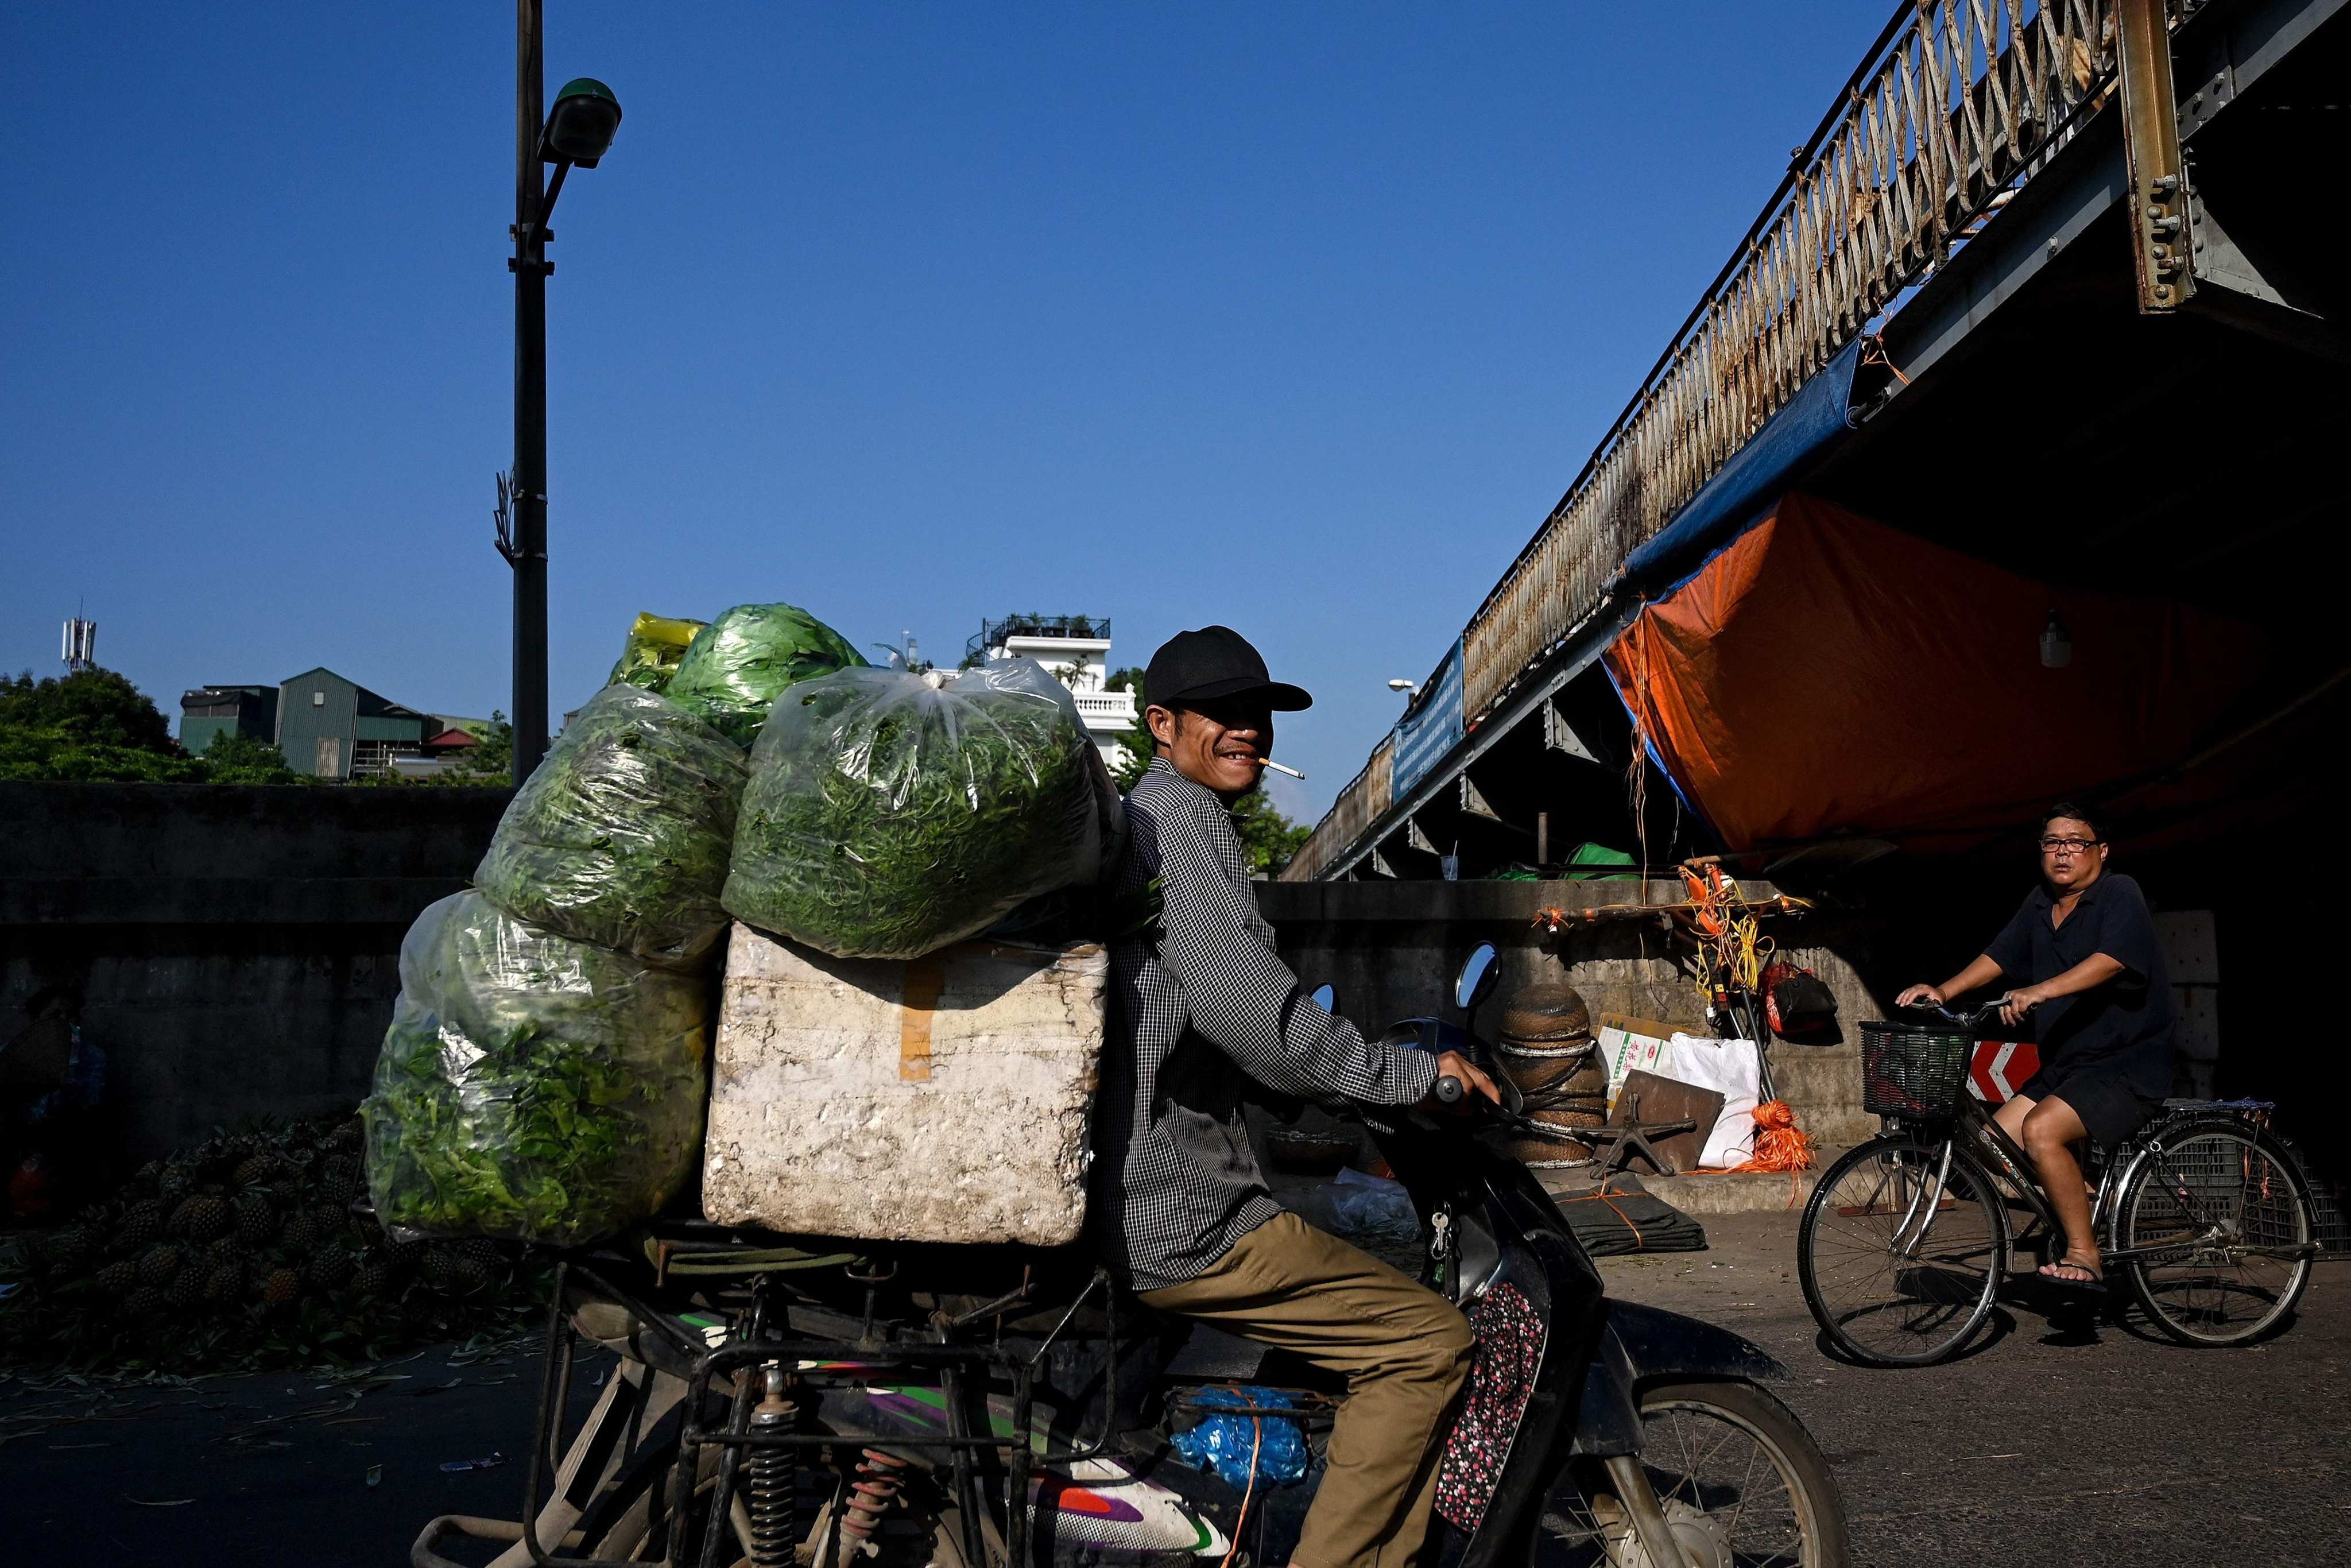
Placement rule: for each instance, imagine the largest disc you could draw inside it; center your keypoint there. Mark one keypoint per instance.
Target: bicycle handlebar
(1981, 1015)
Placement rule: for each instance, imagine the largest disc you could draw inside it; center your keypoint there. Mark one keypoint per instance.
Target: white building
(1076, 649)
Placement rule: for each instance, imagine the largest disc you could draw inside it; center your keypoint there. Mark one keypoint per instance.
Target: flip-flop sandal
(2094, 1285)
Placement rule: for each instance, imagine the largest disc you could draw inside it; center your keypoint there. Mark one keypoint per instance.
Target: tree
(235, 758)
(89, 726)
(1268, 838)
(489, 762)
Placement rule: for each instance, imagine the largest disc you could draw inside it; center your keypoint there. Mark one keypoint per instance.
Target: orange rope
(1603, 1195)
(1873, 352)
(1780, 1144)
(1256, 1442)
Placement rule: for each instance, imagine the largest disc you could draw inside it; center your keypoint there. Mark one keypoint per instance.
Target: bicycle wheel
(2226, 1209)
(1901, 1250)
(1739, 1478)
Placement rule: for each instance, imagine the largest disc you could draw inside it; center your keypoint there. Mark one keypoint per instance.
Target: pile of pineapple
(243, 1250)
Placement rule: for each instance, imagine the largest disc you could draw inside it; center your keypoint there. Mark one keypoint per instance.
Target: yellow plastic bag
(656, 642)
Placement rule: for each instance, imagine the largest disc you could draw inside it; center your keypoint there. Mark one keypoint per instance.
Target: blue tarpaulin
(1739, 495)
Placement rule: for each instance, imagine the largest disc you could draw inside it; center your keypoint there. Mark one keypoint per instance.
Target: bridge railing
(1359, 805)
(1957, 102)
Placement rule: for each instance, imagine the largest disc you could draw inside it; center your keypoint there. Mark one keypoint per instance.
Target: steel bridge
(2056, 284)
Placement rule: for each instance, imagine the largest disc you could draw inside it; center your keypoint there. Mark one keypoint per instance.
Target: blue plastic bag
(1223, 1443)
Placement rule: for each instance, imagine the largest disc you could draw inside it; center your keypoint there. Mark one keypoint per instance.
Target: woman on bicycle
(2085, 947)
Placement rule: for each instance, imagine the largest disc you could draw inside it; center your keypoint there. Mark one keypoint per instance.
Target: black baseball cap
(1213, 662)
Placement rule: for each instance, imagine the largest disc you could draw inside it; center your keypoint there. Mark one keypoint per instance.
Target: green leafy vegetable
(737, 666)
(650, 655)
(621, 836)
(532, 1087)
(889, 814)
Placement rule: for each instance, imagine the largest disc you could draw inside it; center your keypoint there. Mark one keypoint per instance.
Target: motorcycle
(790, 1401)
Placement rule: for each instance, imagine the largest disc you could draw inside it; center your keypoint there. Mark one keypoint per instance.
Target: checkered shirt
(1196, 1002)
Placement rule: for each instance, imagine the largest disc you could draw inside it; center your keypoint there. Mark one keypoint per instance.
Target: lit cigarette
(1277, 767)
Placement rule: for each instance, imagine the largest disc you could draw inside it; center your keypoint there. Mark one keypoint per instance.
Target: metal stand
(1622, 1142)
(641, 1395)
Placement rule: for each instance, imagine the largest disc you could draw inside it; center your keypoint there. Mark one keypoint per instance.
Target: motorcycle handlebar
(1449, 1089)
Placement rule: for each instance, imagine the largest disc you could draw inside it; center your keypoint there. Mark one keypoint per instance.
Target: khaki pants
(1403, 1350)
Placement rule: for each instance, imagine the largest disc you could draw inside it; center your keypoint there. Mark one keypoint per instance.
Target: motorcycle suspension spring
(773, 1501)
(872, 1492)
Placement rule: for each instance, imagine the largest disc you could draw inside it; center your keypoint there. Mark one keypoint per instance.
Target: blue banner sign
(1432, 727)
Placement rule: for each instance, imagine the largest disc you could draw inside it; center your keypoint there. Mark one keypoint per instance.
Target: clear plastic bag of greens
(621, 836)
(532, 1087)
(736, 667)
(890, 814)
(650, 655)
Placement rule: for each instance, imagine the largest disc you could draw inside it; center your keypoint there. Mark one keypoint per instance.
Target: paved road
(2039, 1451)
(2051, 1450)
(259, 1472)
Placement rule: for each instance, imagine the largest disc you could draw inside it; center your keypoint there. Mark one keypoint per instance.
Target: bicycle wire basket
(1910, 1070)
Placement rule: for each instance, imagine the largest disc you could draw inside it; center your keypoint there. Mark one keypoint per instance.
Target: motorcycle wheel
(1739, 1478)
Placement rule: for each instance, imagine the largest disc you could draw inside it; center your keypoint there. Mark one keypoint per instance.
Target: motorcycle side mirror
(1327, 1000)
(1479, 973)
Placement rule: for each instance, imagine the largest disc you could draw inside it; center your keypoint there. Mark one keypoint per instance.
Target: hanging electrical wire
(1732, 947)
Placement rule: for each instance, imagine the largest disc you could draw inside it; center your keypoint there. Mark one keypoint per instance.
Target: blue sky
(1296, 317)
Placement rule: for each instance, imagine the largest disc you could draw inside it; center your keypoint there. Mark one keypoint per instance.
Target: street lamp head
(1400, 685)
(580, 126)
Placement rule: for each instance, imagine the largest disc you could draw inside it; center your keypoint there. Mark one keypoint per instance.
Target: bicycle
(1903, 1246)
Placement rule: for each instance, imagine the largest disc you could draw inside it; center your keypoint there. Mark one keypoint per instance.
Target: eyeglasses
(2067, 846)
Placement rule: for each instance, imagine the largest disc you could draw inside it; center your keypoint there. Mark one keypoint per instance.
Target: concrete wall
(237, 946)
(1392, 949)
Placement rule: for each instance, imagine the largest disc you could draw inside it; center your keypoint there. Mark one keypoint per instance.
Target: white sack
(1733, 1067)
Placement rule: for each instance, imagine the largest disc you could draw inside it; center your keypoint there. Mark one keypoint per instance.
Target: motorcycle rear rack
(817, 1361)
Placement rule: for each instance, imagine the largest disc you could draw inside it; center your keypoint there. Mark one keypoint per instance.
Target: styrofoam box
(940, 1099)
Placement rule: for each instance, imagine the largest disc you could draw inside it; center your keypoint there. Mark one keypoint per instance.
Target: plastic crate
(1909, 1071)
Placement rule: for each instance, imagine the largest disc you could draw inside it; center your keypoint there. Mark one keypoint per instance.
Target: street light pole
(527, 482)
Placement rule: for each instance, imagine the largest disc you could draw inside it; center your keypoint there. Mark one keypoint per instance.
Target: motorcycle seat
(1211, 1356)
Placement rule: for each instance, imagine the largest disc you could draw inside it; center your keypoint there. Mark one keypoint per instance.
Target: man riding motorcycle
(1183, 1215)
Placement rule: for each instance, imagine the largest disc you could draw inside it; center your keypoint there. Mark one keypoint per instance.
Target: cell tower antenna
(80, 646)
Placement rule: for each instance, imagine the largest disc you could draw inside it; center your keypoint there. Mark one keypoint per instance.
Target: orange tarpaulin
(1828, 674)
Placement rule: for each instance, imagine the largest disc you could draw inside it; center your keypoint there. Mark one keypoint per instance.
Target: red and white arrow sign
(2002, 1067)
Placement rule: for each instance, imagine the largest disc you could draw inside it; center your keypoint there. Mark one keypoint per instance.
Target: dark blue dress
(2106, 1051)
